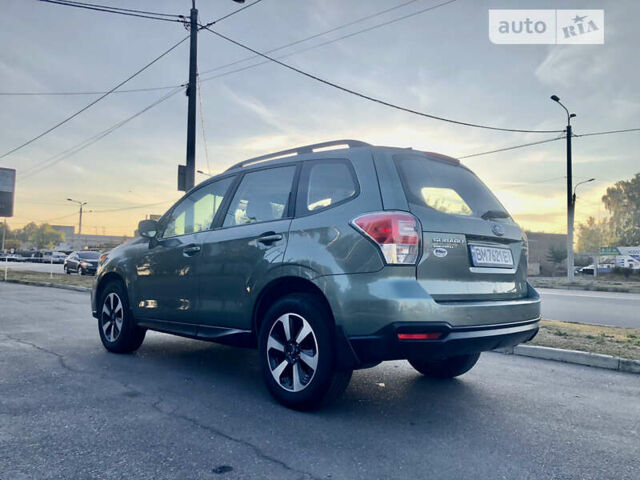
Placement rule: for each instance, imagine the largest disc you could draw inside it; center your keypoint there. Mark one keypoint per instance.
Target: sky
(440, 61)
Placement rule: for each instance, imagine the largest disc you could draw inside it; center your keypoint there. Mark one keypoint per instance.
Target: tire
(66, 270)
(299, 386)
(446, 368)
(116, 326)
(80, 271)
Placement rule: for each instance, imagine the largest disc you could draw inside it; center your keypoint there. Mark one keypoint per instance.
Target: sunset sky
(439, 61)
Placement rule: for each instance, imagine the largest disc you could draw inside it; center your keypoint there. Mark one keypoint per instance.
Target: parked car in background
(11, 257)
(82, 263)
(53, 257)
(328, 261)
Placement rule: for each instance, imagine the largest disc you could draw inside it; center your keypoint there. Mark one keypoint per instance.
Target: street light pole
(570, 204)
(82, 204)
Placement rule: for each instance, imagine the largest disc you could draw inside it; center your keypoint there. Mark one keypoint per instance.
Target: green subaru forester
(328, 258)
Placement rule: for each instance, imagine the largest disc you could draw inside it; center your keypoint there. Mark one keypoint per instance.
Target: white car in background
(53, 257)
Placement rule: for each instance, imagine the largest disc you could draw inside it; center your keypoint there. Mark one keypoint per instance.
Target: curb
(576, 357)
(52, 285)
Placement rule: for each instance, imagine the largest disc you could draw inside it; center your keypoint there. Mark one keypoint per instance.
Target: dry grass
(603, 282)
(619, 342)
(56, 278)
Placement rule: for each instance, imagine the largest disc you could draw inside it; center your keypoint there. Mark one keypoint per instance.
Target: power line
(204, 137)
(608, 132)
(60, 217)
(339, 27)
(134, 207)
(373, 99)
(111, 7)
(233, 13)
(549, 140)
(111, 10)
(312, 47)
(28, 142)
(512, 148)
(51, 161)
(282, 47)
(130, 90)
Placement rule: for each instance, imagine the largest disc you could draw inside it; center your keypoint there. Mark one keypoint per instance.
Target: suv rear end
(453, 280)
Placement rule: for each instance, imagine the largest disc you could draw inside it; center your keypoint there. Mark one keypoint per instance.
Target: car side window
(262, 196)
(195, 213)
(325, 183)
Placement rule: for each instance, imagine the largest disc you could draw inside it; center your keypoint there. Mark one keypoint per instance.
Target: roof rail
(298, 151)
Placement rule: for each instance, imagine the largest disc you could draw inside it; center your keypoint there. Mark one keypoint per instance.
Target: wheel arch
(279, 288)
(105, 280)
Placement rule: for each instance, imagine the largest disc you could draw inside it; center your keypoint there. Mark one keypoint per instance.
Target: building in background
(73, 241)
(540, 245)
(67, 230)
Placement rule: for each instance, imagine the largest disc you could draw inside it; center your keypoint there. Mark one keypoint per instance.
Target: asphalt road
(183, 408)
(595, 308)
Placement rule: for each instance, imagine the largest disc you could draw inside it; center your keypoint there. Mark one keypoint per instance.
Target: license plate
(491, 256)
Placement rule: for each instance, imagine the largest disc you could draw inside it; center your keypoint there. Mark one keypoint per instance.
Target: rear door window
(325, 183)
(446, 189)
(262, 196)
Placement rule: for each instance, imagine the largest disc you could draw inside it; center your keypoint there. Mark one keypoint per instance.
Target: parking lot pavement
(183, 408)
(34, 267)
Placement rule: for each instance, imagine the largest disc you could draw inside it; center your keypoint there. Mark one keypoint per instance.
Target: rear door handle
(269, 237)
(190, 250)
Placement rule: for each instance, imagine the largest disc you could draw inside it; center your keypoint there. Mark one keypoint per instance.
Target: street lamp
(81, 204)
(573, 198)
(570, 205)
(204, 173)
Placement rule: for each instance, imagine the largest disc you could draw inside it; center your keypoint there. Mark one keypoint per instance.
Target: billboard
(7, 191)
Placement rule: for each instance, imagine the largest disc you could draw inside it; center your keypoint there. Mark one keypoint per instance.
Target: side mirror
(148, 228)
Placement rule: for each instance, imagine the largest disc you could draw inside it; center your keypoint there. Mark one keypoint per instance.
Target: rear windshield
(447, 189)
(89, 255)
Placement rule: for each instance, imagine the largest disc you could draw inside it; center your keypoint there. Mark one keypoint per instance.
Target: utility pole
(571, 207)
(82, 204)
(4, 233)
(190, 170)
(570, 203)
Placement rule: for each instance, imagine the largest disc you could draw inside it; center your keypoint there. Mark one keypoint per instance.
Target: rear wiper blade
(494, 214)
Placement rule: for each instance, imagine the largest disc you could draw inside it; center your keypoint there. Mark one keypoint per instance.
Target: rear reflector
(419, 336)
(396, 233)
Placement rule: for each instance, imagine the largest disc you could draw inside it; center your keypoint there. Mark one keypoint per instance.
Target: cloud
(567, 65)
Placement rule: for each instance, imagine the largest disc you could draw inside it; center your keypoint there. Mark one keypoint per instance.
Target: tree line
(37, 236)
(622, 226)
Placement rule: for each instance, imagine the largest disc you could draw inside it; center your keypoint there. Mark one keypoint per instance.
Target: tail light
(397, 234)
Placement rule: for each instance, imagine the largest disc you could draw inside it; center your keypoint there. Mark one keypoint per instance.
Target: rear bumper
(365, 304)
(380, 305)
(365, 350)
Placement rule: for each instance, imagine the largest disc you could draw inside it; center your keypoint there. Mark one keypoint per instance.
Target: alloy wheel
(112, 317)
(292, 352)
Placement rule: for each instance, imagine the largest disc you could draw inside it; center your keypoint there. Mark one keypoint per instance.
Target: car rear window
(445, 188)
